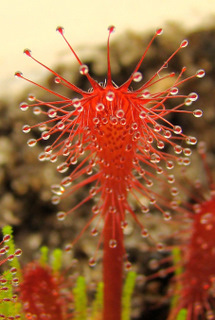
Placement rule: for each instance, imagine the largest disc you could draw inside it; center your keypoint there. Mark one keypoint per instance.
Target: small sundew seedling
(116, 138)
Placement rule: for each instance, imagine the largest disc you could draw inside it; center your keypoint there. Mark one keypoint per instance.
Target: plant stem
(112, 269)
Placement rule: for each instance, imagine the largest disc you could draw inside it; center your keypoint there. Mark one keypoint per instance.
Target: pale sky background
(32, 23)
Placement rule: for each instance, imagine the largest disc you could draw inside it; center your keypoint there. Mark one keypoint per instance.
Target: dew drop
(100, 107)
(111, 28)
(66, 182)
(95, 209)
(92, 262)
(18, 74)
(57, 80)
(159, 31)
(57, 189)
(37, 111)
(193, 96)
(60, 30)
(159, 170)
(63, 167)
(169, 164)
(124, 224)
(187, 152)
(48, 149)
(142, 114)
(23, 106)
(160, 246)
(128, 266)
(160, 145)
(60, 125)
(45, 135)
(52, 113)
(18, 252)
(31, 97)
(144, 233)
(84, 69)
(2, 251)
(42, 156)
(198, 113)
(32, 142)
(68, 248)
(113, 120)
(55, 200)
(167, 134)
(178, 149)
(191, 140)
(174, 191)
(6, 238)
(76, 102)
(137, 76)
(61, 215)
(171, 178)
(157, 128)
(144, 209)
(188, 102)
(26, 128)
(174, 91)
(120, 113)
(110, 95)
(184, 44)
(53, 158)
(11, 257)
(146, 94)
(94, 232)
(112, 243)
(167, 216)
(200, 73)
(93, 191)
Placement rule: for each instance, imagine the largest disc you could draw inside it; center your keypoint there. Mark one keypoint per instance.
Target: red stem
(112, 269)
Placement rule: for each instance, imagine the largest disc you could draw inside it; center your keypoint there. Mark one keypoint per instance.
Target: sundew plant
(116, 138)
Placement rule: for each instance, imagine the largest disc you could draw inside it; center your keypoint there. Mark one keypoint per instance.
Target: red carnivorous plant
(195, 284)
(116, 137)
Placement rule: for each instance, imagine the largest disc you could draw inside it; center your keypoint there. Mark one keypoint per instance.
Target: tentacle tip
(27, 52)
(18, 74)
(111, 29)
(184, 44)
(159, 31)
(60, 30)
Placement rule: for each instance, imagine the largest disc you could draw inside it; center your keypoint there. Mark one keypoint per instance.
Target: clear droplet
(52, 113)
(184, 44)
(92, 262)
(174, 91)
(26, 128)
(63, 167)
(100, 107)
(198, 113)
(120, 113)
(144, 233)
(61, 215)
(32, 142)
(84, 69)
(110, 96)
(57, 189)
(137, 76)
(23, 106)
(112, 243)
(200, 73)
(37, 111)
(159, 31)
